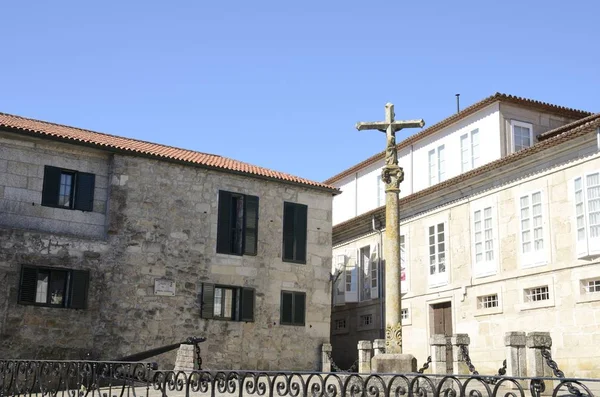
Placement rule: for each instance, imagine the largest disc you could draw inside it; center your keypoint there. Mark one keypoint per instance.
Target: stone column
(325, 354)
(378, 346)
(364, 356)
(536, 364)
(185, 360)
(459, 366)
(438, 354)
(516, 360)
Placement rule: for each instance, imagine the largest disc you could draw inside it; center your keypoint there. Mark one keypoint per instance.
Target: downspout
(380, 280)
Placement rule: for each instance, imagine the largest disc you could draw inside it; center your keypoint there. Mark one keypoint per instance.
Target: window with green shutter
(293, 308)
(54, 287)
(68, 189)
(225, 302)
(294, 232)
(237, 228)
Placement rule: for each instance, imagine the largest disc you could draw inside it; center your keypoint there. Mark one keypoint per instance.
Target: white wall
(359, 190)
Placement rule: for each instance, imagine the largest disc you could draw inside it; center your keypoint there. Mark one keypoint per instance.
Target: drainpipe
(380, 280)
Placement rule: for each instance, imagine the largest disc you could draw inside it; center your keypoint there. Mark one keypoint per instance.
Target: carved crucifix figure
(392, 175)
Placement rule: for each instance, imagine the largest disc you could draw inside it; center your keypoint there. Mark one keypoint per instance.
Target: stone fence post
(364, 356)
(516, 355)
(378, 346)
(185, 360)
(325, 354)
(438, 354)
(459, 366)
(536, 364)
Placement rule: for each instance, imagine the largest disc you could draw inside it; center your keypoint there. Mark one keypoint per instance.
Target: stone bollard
(185, 360)
(378, 346)
(364, 356)
(516, 355)
(325, 354)
(459, 366)
(438, 354)
(536, 364)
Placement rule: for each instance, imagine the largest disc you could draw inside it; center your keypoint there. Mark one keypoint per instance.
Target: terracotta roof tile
(362, 223)
(554, 109)
(134, 146)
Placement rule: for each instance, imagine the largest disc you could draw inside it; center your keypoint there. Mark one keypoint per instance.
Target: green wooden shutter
(51, 187)
(299, 308)
(84, 191)
(247, 312)
(288, 231)
(286, 307)
(28, 285)
(300, 232)
(207, 306)
(79, 289)
(224, 223)
(251, 227)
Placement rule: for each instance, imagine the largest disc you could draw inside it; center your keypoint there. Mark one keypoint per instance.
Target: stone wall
(162, 223)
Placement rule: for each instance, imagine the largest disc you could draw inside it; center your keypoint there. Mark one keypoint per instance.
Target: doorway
(441, 323)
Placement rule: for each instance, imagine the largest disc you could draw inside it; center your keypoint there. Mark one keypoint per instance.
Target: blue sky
(281, 84)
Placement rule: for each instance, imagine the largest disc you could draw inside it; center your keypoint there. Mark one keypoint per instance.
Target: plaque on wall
(164, 287)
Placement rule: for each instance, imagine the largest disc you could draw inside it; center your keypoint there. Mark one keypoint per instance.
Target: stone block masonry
(158, 220)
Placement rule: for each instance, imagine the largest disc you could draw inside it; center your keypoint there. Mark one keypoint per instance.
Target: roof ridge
(105, 134)
(448, 121)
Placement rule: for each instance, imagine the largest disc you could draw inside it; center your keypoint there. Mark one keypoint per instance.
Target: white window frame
(516, 123)
(536, 282)
(436, 161)
(534, 257)
(438, 278)
(580, 277)
(374, 271)
(364, 279)
(485, 266)
(351, 268)
(345, 330)
(408, 319)
(467, 153)
(340, 286)
(404, 262)
(588, 247)
(380, 191)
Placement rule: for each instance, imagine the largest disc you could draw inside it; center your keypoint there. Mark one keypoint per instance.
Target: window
(592, 286)
(227, 303)
(484, 242)
(293, 307)
(437, 254)
(380, 191)
(237, 229)
(340, 324)
(368, 270)
(53, 287)
(404, 314)
(487, 301)
(437, 168)
(294, 232)
(587, 214)
(68, 189)
(469, 150)
(522, 135)
(403, 262)
(532, 229)
(537, 294)
(366, 319)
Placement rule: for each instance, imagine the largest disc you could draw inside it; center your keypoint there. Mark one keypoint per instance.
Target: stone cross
(392, 175)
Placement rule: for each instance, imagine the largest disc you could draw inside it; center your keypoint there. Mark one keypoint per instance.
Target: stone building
(110, 246)
(499, 232)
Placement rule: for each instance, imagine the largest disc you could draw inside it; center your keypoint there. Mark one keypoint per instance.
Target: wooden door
(442, 324)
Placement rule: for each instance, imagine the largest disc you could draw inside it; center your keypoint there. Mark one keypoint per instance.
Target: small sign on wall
(164, 287)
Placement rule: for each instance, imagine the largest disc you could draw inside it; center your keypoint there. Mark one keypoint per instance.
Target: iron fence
(108, 379)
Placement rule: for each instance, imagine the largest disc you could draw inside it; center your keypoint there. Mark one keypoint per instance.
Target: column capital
(539, 340)
(515, 339)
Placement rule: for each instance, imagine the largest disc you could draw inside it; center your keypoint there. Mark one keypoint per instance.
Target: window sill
(588, 297)
(293, 325)
(438, 284)
(485, 274)
(488, 312)
(293, 261)
(533, 306)
(530, 265)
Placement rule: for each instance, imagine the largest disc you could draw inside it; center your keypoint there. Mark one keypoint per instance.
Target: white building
(499, 232)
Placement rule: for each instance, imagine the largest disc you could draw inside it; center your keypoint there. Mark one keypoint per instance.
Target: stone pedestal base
(393, 363)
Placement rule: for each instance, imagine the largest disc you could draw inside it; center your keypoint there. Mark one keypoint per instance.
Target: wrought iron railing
(82, 379)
